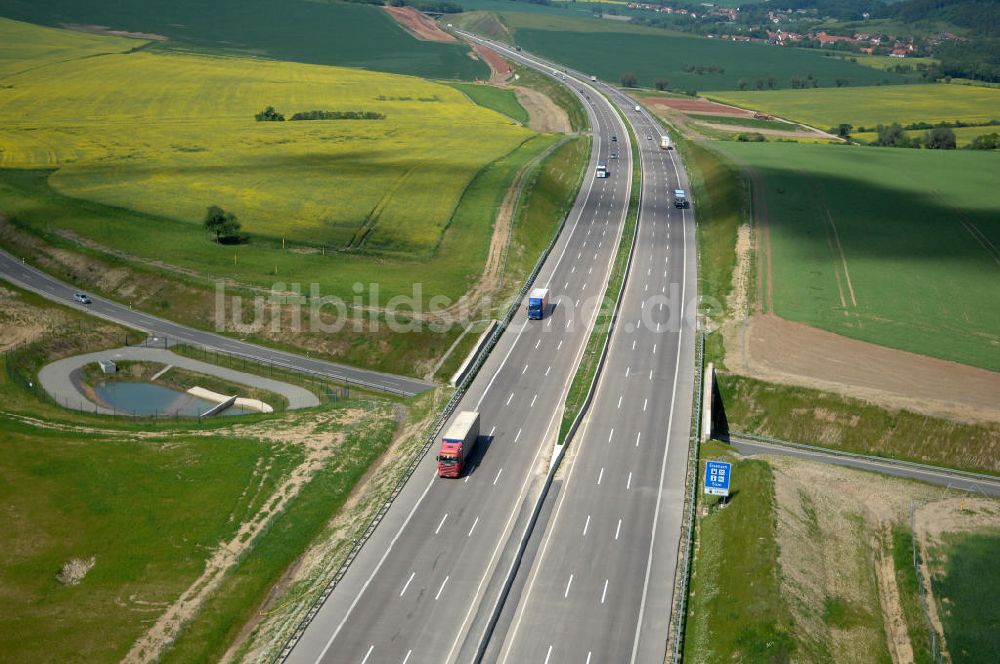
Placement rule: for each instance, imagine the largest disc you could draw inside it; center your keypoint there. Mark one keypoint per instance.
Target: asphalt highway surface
(600, 587)
(415, 592)
(17, 272)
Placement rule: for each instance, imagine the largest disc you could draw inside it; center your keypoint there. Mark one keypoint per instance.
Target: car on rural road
(82, 298)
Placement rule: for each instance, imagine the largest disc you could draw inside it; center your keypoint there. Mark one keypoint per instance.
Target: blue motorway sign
(717, 476)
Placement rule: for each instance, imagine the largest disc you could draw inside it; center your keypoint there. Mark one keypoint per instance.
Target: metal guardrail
(680, 599)
(439, 422)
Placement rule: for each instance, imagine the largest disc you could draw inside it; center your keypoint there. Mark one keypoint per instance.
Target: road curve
(20, 274)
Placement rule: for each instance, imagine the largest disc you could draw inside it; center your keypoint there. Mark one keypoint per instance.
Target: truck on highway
(594, 79)
(664, 142)
(457, 443)
(602, 171)
(538, 303)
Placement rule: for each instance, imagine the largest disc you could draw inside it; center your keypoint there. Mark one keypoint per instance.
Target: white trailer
(664, 142)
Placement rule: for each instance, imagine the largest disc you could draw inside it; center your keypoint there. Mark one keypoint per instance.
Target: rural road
(55, 377)
(18, 273)
(972, 482)
(419, 588)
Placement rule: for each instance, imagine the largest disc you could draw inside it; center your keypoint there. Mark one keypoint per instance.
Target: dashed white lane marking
(441, 589)
(644, 402)
(611, 435)
(497, 478)
(633, 344)
(588, 657)
(637, 437)
(492, 431)
(627, 369)
(474, 523)
(518, 435)
(443, 519)
(565, 594)
(618, 530)
(605, 592)
(524, 369)
(368, 654)
(548, 369)
(560, 345)
(537, 344)
(600, 476)
(407, 584)
(509, 398)
(620, 397)
(628, 485)
(586, 525)
(533, 399)
(407, 658)
(577, 303)
(566, 286)
(654, 349)
(573, 270)
(650, 374)
(548, 654)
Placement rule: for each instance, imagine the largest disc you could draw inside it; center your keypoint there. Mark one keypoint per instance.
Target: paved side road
(55, 377)
(984, 484)
(27, 277)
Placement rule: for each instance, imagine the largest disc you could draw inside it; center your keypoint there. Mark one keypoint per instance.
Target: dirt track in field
(419, 25)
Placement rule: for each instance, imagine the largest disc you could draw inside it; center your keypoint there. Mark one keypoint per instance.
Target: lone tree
(844, 130)
(940, 138)
(223, 224)
(628, 80)
(661, 84)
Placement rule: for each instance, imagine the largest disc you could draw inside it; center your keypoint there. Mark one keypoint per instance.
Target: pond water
(151, 399)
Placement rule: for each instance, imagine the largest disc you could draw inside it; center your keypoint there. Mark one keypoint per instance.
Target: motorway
(415, 591)
(601, 585)
(20, 274)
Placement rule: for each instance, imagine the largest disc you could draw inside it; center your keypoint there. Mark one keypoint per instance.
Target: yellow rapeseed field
(869, 106)
(169, 134)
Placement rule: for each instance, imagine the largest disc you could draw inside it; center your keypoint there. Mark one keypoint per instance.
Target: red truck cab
(457, 443)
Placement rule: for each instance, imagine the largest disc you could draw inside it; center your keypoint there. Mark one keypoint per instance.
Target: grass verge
(497, 99)
(736, 611)
(852, 425)
(966, 595)
(909, 595)
(587, 369)
(557, 92)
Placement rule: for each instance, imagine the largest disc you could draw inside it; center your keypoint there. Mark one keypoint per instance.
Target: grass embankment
(182, 380)
(324, 33)
(148, 501)
(893, 247)
(909, 595)
(717, 187)
(587, 369)
(737, 611)
(853, 425)
(870, 106)
(557, 92)
(500, 100)
(966, 592)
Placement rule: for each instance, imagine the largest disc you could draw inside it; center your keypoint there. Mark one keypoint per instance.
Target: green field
(895, 247)
(498, 99)
(328, 33)
(966, 595)
(746, 122)
(609, 48)
(867, 107)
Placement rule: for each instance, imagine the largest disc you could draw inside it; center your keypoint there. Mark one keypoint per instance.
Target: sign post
(717, 476)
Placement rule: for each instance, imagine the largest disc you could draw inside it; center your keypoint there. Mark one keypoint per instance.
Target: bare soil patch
(696, 105)
(73, 571)
(499, 68)
(773, 349)
(419, 25)
(733, 129)
(544, 114)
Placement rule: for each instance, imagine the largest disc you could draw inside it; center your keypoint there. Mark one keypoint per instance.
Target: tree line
(271, 115)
